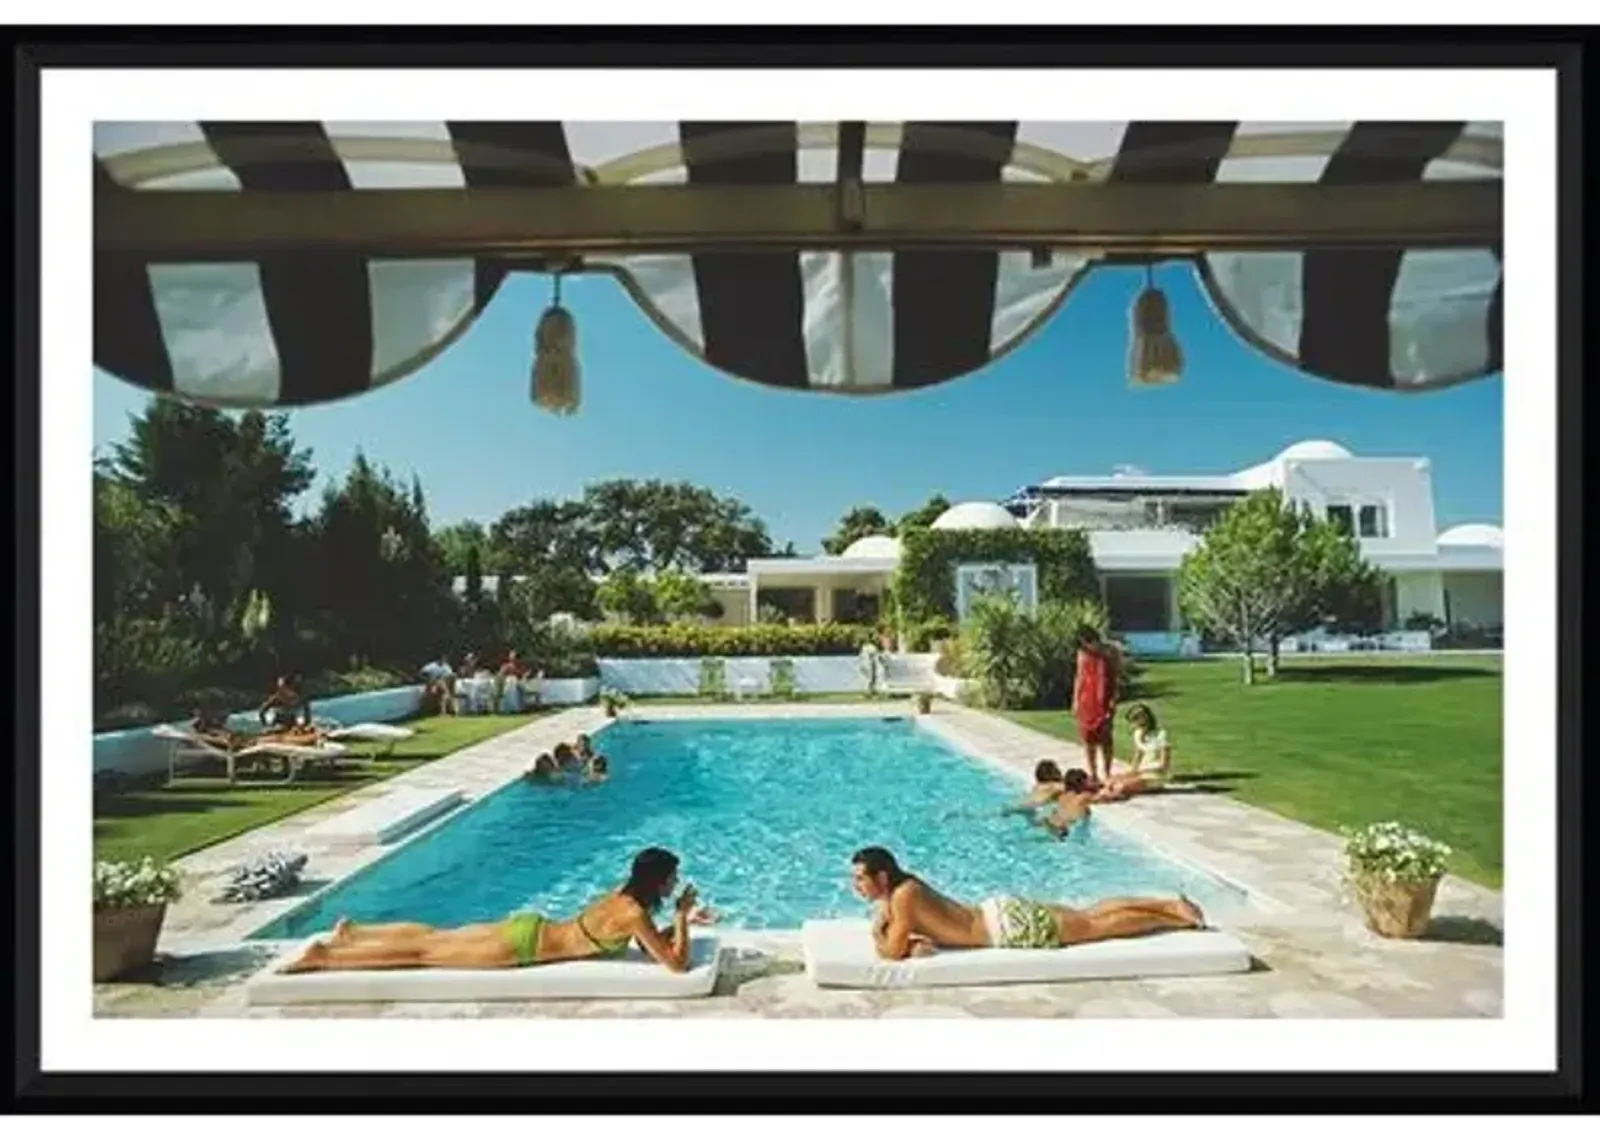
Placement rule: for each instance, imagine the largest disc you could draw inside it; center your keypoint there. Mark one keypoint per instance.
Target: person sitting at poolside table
(285, 706)
(914, 919)
(597, 769)
(605, 928)
(440, 682)
(1152, 758)
(544, 770)
(1071, 806)
(1046, 788)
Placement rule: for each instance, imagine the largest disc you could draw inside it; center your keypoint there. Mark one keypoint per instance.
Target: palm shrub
(1018, 661)
(1001, 650)
(713, 679)
(1056, 647)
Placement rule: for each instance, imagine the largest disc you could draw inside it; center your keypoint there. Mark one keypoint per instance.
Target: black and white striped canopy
(300, 328)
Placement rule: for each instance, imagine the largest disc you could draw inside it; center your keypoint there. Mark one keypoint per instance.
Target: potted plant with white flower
(130, 902)
(1393, 871)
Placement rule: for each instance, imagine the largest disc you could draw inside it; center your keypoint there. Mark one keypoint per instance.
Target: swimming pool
(765, 814)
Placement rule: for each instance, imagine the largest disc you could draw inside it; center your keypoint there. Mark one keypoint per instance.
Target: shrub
(923, 636)
(783, 680)
(952, 662)
(689, 641)
(713, 679)
(266, 876)
(925, 582)
(1394, 852)
(133, 885)
(1016, 660)
(1422, 621)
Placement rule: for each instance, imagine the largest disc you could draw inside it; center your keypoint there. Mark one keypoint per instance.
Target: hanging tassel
(556, 376)
(1154, 357)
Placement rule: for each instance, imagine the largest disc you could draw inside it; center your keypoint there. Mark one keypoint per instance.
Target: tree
(922, 517)
(628, 594)
(681, 595)
(136, 541)
(862, 520)
(384, 592)
(456, 540)
(651, 524)
(1265, 570)
(233, 480)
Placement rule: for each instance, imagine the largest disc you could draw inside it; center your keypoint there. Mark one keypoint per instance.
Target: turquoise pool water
(765, 815)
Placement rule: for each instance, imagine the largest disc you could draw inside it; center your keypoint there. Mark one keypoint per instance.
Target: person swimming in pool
(1046, 789)
(544, 770)
(566, 757)
(583, 748)
(1071, 803)
(914, 919)
(605, 928)
(597, 769)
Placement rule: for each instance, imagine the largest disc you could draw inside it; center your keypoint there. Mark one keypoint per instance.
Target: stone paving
(1314, 956)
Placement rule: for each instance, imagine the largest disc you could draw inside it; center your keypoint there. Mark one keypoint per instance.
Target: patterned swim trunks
(1015, 923)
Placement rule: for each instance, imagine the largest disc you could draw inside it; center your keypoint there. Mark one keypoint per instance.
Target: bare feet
(1193, 913)
(312, 959)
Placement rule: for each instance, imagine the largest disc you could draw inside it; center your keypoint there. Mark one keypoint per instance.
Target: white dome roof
(975, 515)
(1474, 535)
(873, 547)
(1315, 450)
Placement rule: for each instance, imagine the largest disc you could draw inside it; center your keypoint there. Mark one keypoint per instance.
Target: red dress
(1093, 696)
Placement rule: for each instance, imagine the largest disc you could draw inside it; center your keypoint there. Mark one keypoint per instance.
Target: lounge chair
(187, 744)
(840, 954)
(632, 977)
(380, 735)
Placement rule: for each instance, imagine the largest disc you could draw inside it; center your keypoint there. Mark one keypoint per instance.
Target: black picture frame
(758, 1091)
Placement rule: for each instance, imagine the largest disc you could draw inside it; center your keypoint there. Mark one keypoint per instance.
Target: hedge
(689, 641)
(925, 585)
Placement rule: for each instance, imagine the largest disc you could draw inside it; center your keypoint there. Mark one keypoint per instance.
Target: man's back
(946, 922)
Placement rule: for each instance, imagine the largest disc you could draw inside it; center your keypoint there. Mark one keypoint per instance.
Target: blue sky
(1057, 405)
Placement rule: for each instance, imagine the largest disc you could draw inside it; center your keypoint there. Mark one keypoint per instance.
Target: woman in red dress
(1094, 701)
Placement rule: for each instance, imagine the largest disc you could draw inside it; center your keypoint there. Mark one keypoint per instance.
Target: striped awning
(295, 325)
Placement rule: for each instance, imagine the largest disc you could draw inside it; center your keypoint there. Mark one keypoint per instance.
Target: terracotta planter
(125, 939)
(924, 703)
(1397, 908)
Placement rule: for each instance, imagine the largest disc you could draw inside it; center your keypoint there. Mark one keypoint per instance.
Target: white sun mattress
(839, 954)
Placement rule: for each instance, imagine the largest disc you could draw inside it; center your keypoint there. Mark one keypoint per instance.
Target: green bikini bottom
(522, 934)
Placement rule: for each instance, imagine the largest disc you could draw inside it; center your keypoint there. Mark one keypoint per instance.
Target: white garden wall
(814, 674)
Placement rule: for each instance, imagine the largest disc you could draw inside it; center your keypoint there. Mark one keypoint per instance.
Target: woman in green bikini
(604, 929)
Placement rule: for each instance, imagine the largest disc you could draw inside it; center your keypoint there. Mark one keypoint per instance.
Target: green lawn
(169, 821)
(1340, 742)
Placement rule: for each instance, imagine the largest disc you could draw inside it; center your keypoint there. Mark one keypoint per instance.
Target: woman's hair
(1141, 715)
(1076, 781)
(1088, 636)
(543, 763)
(563, 751)
(875, 860)
(581, 740)
(1047, 771)
(647, 882)
(599, 764)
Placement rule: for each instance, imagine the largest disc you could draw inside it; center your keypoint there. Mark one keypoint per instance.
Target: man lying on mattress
(914, 919)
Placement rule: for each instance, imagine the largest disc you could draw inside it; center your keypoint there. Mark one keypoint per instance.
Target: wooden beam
(177, 226)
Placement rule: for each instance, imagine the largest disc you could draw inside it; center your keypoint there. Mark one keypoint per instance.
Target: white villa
(1139, 528)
